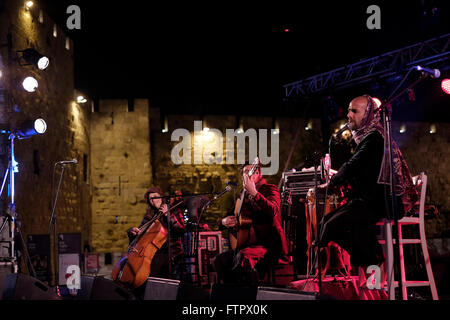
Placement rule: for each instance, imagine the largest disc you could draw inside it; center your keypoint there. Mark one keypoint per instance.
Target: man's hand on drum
(229, 221)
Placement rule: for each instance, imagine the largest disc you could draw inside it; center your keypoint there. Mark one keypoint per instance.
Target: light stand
(12, 214)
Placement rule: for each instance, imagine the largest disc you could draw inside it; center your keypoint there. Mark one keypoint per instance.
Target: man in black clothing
(353, 226)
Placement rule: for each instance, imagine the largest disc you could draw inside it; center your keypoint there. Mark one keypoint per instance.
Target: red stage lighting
(445, 85)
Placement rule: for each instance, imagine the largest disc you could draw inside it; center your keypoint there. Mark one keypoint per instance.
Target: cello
(239, 235)
(134, 267)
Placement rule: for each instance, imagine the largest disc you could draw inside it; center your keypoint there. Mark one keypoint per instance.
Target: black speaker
(161, 289)
(99, 288)
(6, 268)
(268, 293)
(224, 292)
(19, 286)
(189, 292)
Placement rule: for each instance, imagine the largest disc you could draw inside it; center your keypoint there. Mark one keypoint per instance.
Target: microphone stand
(197, 234)
(318, 231)
(387, 124)
(53, 221)
(167, 198)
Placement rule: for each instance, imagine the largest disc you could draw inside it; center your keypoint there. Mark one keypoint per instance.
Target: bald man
(353, 226)
(356, 112)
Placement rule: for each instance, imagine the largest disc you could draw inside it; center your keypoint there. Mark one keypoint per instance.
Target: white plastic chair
(419, 181)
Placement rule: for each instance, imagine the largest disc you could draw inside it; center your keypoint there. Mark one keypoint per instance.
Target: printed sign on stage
(69, 243)
(39, 250)
(91, 264)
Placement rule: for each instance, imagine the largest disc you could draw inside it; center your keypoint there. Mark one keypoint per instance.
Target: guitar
(239, 234)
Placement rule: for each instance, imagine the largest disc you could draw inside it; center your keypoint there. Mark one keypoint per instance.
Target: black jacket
(361, 172)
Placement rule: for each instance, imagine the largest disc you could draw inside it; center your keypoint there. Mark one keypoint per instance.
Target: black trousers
(353, 227)
(229, 270)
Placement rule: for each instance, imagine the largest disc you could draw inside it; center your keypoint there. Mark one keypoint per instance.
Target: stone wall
(429, 152)
(212, 178)
(67, 134)
(121, 171)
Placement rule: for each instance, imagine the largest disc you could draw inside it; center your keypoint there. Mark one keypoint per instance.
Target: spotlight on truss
(31, 128)
(31, 56)
(30, 84)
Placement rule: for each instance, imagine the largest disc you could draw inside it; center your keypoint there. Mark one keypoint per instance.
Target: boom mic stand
(53, 221)
(197, 230)
(386, 113)
(167, 198)
(318, 231)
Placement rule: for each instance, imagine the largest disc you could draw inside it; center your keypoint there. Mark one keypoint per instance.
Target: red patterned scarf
(404, 186)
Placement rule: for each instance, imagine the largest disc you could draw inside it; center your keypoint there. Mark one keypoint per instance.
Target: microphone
(434, 73)
(75, 161)
(228, 188)
(347, 126)
(232, 183)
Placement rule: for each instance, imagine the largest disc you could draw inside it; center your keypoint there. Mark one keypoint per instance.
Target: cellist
(265, 244)
(160, 262)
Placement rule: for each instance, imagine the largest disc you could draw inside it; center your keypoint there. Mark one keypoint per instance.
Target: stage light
(31, 128)
(308, 126)
(445, 85)
(403, 128)
(377, 101)
(81, 99)
(35, 58)
(433, 128)
(276, 126)
(29, 4)
(165, 125)
(30, 84)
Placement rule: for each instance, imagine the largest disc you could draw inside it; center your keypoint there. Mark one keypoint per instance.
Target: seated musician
(353, 225)
(160, 262)
(266, 242)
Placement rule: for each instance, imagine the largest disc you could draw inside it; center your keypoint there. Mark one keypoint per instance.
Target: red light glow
(445, 85)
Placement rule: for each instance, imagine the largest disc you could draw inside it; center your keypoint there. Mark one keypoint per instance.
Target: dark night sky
(228, 54)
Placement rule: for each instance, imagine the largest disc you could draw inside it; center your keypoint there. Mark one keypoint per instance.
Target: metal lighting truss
(382, 66)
